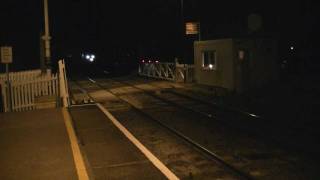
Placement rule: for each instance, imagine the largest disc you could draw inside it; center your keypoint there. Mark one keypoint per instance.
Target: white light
(292, 48)
(93, 56)
(87, 57)
(91, 59)
(210, 66)
(253, 115)
(149, 61)
(157, 61)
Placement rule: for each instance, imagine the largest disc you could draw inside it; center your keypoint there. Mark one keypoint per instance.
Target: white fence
(29, 90)
(168, 71)
(22, 75)
(158, 70)
(24, 93)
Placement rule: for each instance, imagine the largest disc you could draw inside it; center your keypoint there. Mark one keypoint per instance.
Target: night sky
(149, 28)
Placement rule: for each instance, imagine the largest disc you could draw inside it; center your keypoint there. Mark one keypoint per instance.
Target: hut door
(244, 73)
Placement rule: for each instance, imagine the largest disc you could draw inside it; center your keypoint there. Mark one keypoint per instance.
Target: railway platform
(79, 143)
(110, 151)
(35, 145)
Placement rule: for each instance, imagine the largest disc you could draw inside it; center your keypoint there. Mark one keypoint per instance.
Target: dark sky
(147, 26)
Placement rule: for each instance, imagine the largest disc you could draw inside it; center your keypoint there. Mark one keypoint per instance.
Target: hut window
(241, 54)
(209, 60)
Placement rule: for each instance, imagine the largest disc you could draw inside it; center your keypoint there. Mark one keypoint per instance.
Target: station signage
(6, 54)
(192, 28)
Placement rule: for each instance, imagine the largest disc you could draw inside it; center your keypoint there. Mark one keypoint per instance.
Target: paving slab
(110, 154)
(35, 145)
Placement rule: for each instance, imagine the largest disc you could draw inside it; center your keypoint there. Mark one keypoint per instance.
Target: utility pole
(181, 11)
(46, 38)
(182, 31)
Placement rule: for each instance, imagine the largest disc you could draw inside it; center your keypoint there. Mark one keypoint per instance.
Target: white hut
(236, 64)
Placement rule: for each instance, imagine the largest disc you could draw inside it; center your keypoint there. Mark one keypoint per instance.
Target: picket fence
(28, 90)
(22, 75)
(24, 93)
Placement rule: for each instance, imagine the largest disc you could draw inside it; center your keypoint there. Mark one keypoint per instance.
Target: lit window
(241, 54)
(209, 60)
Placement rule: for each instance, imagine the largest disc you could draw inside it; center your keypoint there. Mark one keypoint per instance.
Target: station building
(236, 64)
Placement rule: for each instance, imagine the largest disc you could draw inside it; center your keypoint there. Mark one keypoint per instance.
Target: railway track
(236, 174)
(233, 160)
(246, 122)
(237, 119)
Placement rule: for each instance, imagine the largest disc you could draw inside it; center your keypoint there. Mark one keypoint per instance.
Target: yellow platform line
(155, 161)
(77, 157)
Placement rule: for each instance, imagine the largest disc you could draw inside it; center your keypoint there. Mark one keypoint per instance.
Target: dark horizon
(149, 28)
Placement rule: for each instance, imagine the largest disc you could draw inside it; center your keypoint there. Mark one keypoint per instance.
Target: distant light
(143, 61)
(157, 61)
(149, 61)
(292, 48)
(253, 115)
(89, 57)
(210, 66)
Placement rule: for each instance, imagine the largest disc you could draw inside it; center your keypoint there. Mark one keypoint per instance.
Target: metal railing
(167, 71)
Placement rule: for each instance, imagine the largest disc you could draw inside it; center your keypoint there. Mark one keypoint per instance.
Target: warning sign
(6, 54)
(192, 28)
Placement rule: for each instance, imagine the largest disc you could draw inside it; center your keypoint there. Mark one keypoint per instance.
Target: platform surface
(35, 145)
(110, 154)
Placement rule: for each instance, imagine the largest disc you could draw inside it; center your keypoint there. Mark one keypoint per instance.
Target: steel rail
(259, 132)
(195, 145)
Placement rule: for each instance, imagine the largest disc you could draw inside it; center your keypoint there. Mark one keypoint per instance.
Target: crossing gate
(167, 71)
(26, 87)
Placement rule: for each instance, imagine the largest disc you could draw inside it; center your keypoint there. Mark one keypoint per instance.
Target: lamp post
(182, 30)
(46, 38)
(181, 11)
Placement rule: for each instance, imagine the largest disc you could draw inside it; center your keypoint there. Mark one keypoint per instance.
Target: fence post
(64, 94)
(4, 97)
(139, 70)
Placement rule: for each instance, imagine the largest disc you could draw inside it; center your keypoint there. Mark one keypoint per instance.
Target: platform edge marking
(77, 157)
(154, 160)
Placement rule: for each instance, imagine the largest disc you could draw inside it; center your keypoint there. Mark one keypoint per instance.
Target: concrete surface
(35, 145)
(110, 154)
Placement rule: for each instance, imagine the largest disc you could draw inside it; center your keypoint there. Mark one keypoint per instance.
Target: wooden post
(8, 89)
(4, 96)
(64, 94)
